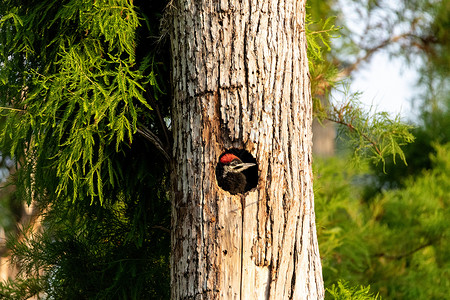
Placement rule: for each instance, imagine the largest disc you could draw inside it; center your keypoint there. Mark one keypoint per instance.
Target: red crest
(227, 158)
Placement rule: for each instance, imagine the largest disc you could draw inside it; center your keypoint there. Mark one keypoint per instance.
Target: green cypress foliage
(76, 79)
(78, 94)
(373, 135)
(341, 291)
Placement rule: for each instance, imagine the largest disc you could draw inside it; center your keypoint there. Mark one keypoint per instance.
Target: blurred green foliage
(387, 225)
(396, 241)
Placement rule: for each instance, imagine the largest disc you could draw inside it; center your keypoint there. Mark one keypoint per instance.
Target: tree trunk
(240, 80)
(324, 134)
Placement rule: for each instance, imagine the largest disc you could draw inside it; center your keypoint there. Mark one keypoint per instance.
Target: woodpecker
(229, 173)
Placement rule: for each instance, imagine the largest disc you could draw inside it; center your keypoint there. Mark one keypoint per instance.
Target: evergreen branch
(146, 133)
(13, 109)
(366, 130)
(155, 105)
(317, 39)
(359, 132)
(370, 52)
(333, 29)
(408, 253)
(162, 228)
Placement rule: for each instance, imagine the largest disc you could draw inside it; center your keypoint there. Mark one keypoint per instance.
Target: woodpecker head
(232, 164)
(234, 176)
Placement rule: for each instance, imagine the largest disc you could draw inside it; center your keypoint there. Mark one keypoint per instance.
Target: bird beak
(243, 166)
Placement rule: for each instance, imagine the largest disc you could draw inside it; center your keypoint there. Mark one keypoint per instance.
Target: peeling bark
(240, 80)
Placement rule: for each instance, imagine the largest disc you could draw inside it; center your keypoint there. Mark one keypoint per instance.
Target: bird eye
(234, 162)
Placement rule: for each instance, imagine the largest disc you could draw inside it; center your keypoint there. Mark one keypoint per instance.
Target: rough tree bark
(240, 80)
